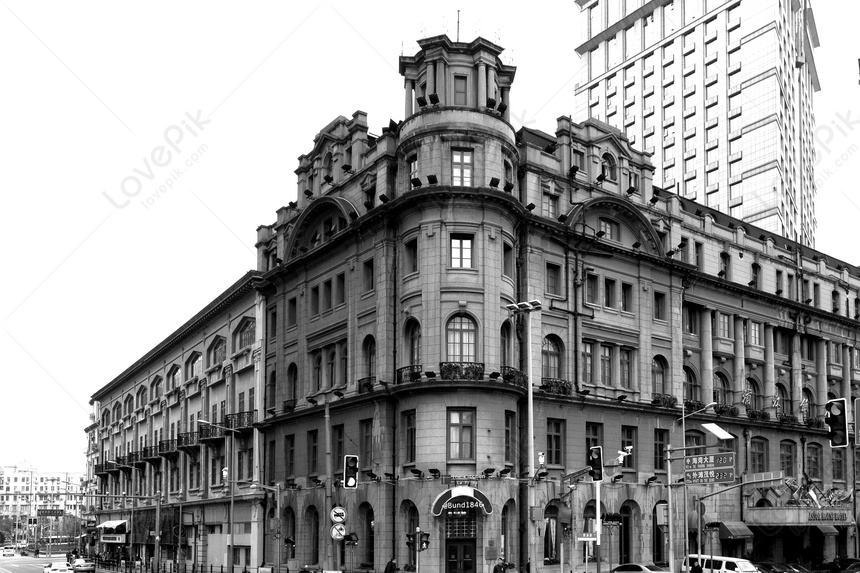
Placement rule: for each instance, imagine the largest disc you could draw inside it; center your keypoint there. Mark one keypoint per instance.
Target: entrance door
(460, 556)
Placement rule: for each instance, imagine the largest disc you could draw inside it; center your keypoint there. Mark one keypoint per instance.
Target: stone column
(821, 378)
(769, 374)
(846, 378)
(431, 78)
(796, 374)
(491, 83)
(739, 369)
(506, 96)
(441, 83)
(482, 85)
(707, 339)
(409, 97)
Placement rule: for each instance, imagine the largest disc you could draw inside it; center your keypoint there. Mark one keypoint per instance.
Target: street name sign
(712, 475)
(50, 512)
(708, 461)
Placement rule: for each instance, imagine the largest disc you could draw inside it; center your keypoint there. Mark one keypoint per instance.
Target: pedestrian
(500, 566)
(696, 567)
(835, 565)
(391, 567)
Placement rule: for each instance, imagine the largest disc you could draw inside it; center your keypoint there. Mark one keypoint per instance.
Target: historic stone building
(440, 293)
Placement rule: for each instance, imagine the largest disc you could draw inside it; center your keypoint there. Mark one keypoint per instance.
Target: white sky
(88, 91)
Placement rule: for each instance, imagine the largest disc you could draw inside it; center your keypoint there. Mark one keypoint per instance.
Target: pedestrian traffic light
(836, 418)
(410, 540)
(425, 541)
(350, 472)
(856, 420)
(595, 463)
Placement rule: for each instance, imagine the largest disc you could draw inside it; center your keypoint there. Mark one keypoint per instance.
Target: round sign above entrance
(462, 497)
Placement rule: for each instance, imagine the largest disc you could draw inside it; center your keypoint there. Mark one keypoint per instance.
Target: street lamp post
(131, 516)
(228, 473)
(157, 498)
(527, 308)
(277, 490)
(683, 421)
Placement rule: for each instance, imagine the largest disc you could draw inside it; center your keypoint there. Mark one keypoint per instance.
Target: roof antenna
(458, 25)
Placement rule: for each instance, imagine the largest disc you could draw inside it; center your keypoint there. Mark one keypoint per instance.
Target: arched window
(331, 366)
(462, 335)
(313, 540)
(129, 405)
(193, 367)
(292, 381)
(625, 534)
(290, 533)
(722, 390)
(658, 375)
(141, 397)
(783, 406)
(608, 167)
(155, 389)
(756, 402)
(218, 352)
(813, 461)
(344, 363)
(365, 518)
(658, 537)
(758, 455)
(808, 407)
(117, 412)
(414, 338)
(318, 372)
(788, 458)
(692, 388)
(695, 439)
(370, 355)
(505, 345)
(270, 391)
(411, 524)
(550, 534)
(246, 334)
(550, 359)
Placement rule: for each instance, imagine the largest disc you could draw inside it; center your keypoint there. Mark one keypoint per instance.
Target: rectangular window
(661, 438)
(313, 452)
(510, 436)
(340, 289)
(626, 297)
(699, 259)
(786, 458)
(779, 285)
(725, 325)
(290, 454)
(690, 319)
(626, 362)
(838, 461)
(628, 443)
(507, 261)
(754, 333)
(292, 309)
(365, 436)
(461, 251)
(610, 229)
(273, 324)
(606, 365)
(315, 300)
(550, 199)
(410, 253)
(369, 278)
(588, 362)
(659, 305)
(337, 434)
(554, 442)
(410, 438)
(591, 290)
(461, 435)
(553, 279)
(460, 90)
(461, 165)
(593, 436)
(609, 293)
(326, 295)
(758, 456)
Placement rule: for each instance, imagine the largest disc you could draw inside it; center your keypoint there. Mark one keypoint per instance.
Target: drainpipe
(396, 333)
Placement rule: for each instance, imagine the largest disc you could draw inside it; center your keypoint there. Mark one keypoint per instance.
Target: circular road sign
(338, 531)
(337, 514)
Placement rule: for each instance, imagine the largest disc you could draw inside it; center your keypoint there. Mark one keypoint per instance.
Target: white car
(56, 567)
(84, 566)
(8, 552)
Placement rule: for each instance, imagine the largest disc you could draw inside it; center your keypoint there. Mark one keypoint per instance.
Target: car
(84, 566)
(797, 568)
(8, 552)
(636, 567)
(56, 567)
(771, 567)
(853, 568)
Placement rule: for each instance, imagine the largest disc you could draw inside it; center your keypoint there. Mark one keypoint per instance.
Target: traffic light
(350, 472)
(425, 541)
(856, 420)
(410, 540)
(595, 463)
(836, 417)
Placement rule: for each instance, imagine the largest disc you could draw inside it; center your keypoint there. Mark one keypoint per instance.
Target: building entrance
(460, 556)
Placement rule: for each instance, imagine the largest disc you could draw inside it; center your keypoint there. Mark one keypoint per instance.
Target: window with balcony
(461, 334)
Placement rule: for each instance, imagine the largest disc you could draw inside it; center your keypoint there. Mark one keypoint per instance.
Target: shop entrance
(460, 556)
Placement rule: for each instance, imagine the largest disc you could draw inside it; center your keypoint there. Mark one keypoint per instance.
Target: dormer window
(608, 167)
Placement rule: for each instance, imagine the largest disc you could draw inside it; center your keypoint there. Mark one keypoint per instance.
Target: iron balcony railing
(208, 432)
(167, 446)
(461, 370)
(408, 374)
(241, 419)
(556, 386)
(187, 440)
(366, 384)
(514, 376)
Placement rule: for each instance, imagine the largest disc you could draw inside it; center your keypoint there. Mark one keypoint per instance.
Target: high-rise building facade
(720, 92)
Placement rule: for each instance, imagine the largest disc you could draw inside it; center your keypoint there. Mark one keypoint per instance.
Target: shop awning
(827, 529)
(735, 530)
(462, 497)
(111, 524)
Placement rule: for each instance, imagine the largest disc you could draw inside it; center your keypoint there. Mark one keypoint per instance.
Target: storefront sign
(113, 538)
(827, 516)
(461, 498)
